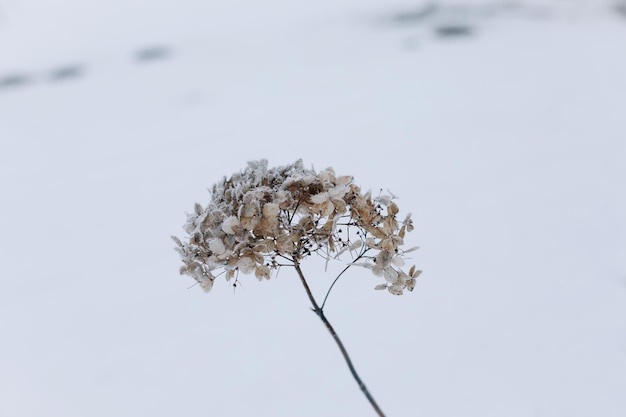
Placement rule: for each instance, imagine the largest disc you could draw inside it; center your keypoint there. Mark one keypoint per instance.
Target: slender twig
(340, 274)
(320, 313)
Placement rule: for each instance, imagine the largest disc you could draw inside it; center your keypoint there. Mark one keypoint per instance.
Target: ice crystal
(261, 217)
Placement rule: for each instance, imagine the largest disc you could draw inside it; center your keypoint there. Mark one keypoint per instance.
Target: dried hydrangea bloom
(263, 217)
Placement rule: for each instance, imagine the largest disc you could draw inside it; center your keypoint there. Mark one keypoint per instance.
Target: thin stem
(340, 274)
(320, 313)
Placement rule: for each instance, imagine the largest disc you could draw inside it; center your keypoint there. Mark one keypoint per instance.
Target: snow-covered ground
(501, 127)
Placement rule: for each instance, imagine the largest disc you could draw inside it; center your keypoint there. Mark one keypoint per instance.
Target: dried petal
(344, 180)
(384, 258)
(397, 261)
(262, 271)
(394, 290)
(356, 245)
(246, 264)
(231, 225)
(217, 246)
(391, 275)
(320, 198)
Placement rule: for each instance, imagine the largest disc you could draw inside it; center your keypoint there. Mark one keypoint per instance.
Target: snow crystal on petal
(217, 246)
(271, 210)
(320, 198)
(338, 192)
(229, 225)
(246, 265)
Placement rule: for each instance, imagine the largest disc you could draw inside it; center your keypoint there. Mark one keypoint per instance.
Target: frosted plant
(263, 218)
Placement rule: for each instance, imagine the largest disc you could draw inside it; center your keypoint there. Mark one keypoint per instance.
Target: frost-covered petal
(385, 200)
(338, 192)
(202, 277)
(391, 275)
(327, 175)
(320, 198)
(262, 272)
(217, 246)
(246, 264)
(377, 270)
(384, 258)
(271, 210)
(397, 261)
(395, 290)
(344, 180)
(229, 274)
(230, 224)
(325, 209)
(206, 283)
(249, 223)
(283, 198)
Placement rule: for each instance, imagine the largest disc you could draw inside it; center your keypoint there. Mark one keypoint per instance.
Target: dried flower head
(261, 217)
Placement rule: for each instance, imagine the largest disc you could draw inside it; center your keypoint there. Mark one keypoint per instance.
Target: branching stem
(340, 274)
(320, 313)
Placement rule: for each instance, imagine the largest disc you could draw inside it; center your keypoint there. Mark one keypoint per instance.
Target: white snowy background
(500, 125)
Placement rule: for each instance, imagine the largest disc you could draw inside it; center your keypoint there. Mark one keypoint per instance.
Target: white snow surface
(508, 146)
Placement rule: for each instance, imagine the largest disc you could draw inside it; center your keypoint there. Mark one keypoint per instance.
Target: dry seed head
(261, 215)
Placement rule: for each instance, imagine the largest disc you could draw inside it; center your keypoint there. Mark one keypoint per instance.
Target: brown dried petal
(285, 244)
(376, 232)
(262, 271)
(340, 206)
(249, 223)
(391, 275)
(371, 243)
(383, 259)
(390, 225)
(246, 264)
(324, 209)
(344, 180)
(394, 290)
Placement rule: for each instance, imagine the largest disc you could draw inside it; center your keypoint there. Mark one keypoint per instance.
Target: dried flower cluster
(262, 217)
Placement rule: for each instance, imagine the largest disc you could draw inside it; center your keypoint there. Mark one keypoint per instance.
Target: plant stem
(339, 276)
(320, 313)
